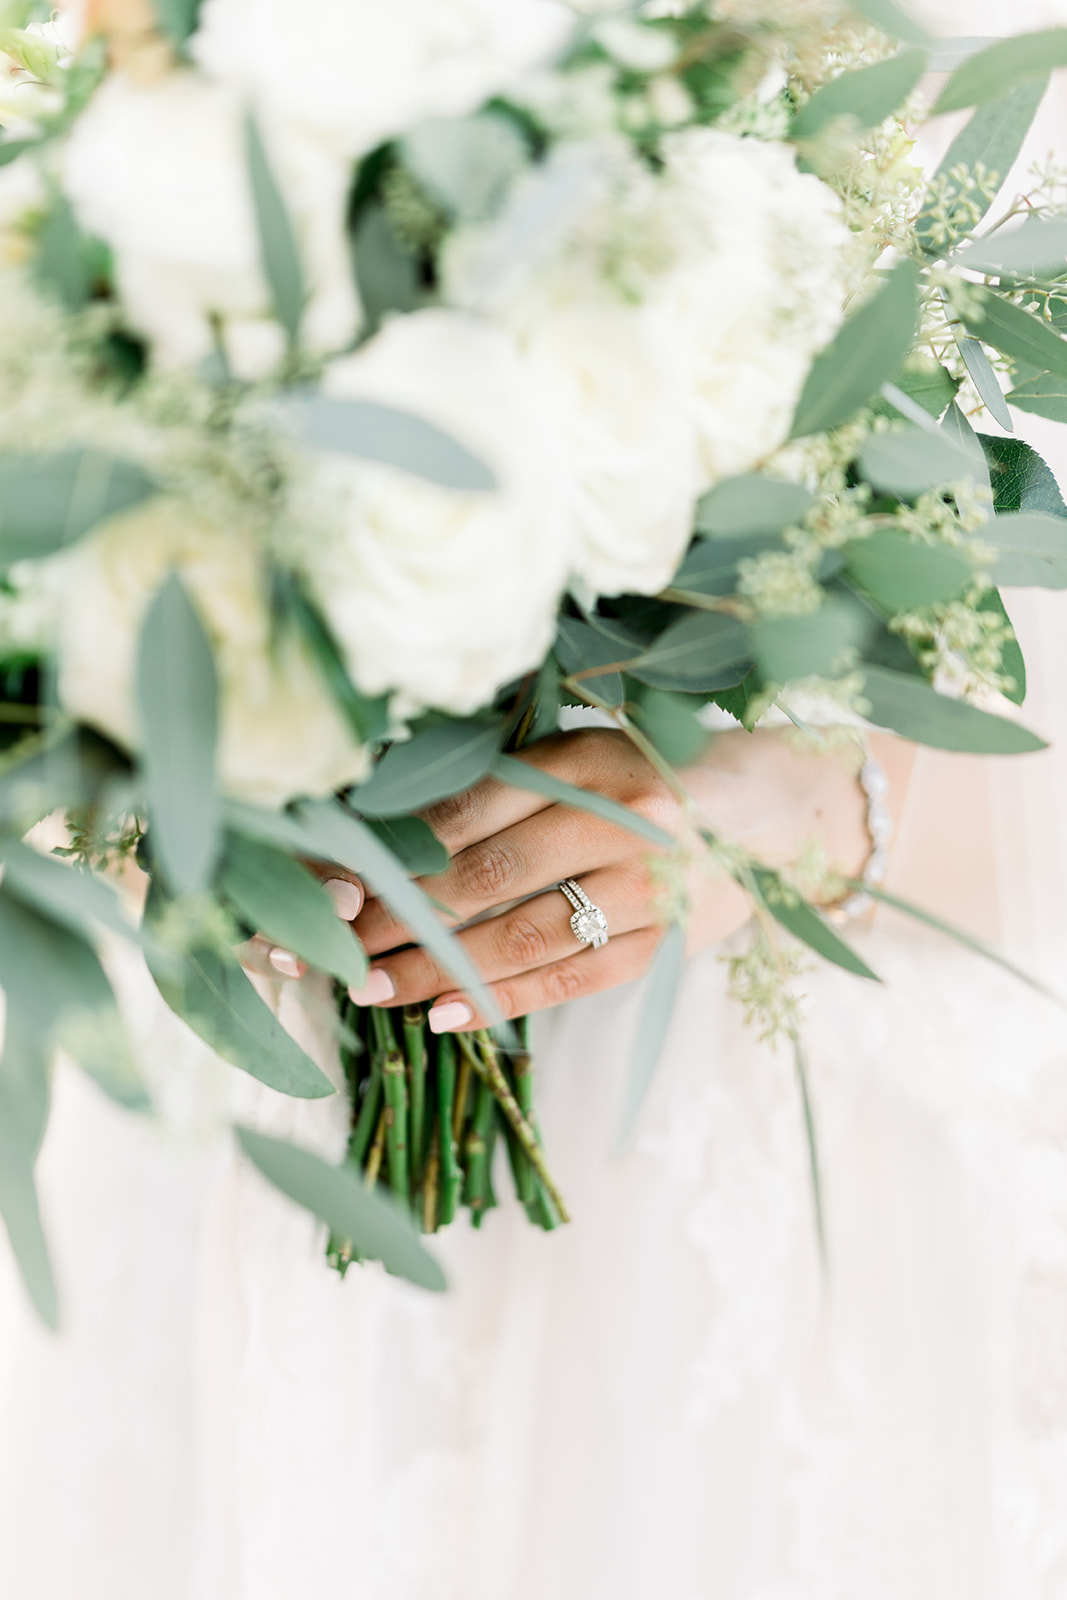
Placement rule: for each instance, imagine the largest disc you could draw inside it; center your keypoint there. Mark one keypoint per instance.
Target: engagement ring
(588, 924)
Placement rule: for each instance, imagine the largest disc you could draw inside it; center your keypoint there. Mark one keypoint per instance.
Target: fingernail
(286, 963)
(347, 897)
(378, 987)
(453, 1014)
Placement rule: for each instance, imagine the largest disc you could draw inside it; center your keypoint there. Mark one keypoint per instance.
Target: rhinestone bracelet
(875, 785)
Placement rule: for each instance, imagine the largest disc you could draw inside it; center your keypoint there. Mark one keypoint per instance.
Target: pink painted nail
(453, 1014)
(378, 988)
(286, 963)
(347, 897)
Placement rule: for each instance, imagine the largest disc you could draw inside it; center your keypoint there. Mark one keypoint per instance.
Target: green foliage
(177, 18)
(703, 650)
(69, 263)
(440, 759)
(1031, 549)
(1003, 66)
(377, 1229)
(751, 504)
(368, 718)
(382, 433)
(863, 354)
(205, 985)
(914, 710)
(985, 380)
(466, 163)
(1044, 396)
(279, 252)
(901, 574)
(933, 388)
(1019, 478)
(660, 992)
(866, 96)
(387, 275)
(788, 648)
(413, 842)
(524, 775)
(580, 647)
(281, 899)
(893, 19)
(79, 900)
(805, 924)
(975, 166)
(49, 501)
(178, 705)
(912, 460)
(1011, 656)
(671, 721)
(1015, 332)
(711, 565)
(23, 1111)
(1036, 249)
(48, 772)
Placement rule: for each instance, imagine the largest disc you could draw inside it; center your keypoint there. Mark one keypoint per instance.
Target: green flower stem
(367, 1118)
(487, 1065)
(396, 1123)
(415, 1045)
(451, 1172)
(476, 1147)
(496, 1122)
(374, 1160)
(463, 1084)
(540, 1211)
(430, 1183)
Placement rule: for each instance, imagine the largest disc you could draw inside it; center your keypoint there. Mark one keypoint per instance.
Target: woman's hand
(510, 849)
(509, 845)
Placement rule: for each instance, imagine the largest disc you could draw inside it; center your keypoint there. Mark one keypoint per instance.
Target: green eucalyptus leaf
(19, 1139)
(580, 646)
(1031, 549)
(751, 504)
(703, 650)
(206, 987)
(805, 924)
(377, 1228)
(992, 140)
(1011, 655)
(78, 899)
(11, 149)
(660, 991)
(985, 380)
(1014, 332)
(711, 567)
(368, 718)
(930, 387)
(177, 18)
(69, 262)
(910, 460)
(439, 760)
(49, 501)
(49, 773)
(282, 900)
(672, 721)
(901, 574)
(332, 833)
(954, 426)
(466, 163)
(414, 844)
(278, 248)
(917, 712)
(55, 985)
(792, 647)
(1020, 479)
(387, 275)
(1032, 251)
(1044, 396)
(520, 774)
(382, 433)
(866, 96)
(1004, 65)
(893, 19)
(178, 705)
(864, 353)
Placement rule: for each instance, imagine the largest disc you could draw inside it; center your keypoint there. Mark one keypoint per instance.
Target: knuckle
(522, 942)
(486, 870)
(455, 815)
(565, 982)
(655, 803)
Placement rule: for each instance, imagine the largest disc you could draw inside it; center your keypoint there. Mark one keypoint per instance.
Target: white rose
(441, 594)
(362, 71)
(280, 733)
(159, 171)
(754, 288)
(605, 363)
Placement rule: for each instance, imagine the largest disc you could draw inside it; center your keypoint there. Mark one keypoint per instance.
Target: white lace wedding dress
(666, 1399)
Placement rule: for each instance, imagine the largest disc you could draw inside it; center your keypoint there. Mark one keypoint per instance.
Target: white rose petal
(361, 71)
(160, 173)
(440, 594)
(281, 734)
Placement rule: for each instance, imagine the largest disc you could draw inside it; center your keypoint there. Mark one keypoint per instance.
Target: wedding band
(588, 924)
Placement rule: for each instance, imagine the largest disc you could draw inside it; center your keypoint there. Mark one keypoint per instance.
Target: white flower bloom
(755, 288)
(160, 173)
(281, 734)
(440, 594)
(363, 70)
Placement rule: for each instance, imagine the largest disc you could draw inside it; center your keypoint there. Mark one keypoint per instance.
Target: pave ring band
(588, 924)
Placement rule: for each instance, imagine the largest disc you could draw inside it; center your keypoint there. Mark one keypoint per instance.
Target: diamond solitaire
(588, 924)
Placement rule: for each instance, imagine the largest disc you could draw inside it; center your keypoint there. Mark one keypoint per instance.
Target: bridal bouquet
(375, 382)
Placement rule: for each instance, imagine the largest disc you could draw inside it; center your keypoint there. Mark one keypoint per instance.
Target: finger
(557, 843)
(588, 972)
(343, 887)
(268, 960)
(533, 934)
